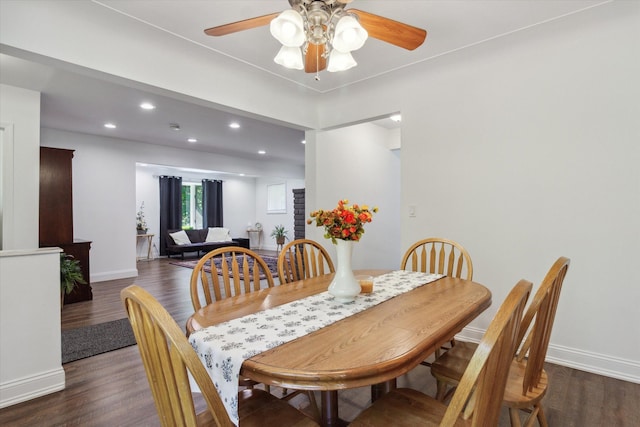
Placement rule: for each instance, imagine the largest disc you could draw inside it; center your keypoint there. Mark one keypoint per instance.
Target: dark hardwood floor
(112, 390)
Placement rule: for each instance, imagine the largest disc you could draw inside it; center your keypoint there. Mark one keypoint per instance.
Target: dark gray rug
(271, 261)
(88, 341)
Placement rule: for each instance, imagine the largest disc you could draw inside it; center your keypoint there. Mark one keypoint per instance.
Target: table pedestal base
(329, 410)
(379, 390)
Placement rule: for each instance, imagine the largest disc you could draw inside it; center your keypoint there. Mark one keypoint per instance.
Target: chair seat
(405, 407)
(513, 397)
(450, 365)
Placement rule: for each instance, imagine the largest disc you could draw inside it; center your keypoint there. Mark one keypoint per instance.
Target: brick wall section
(298, 214)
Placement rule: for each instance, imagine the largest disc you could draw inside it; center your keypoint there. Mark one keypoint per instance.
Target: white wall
(30, 355)
(20, 174)
(355, 163)
(103, 200)
(524, 149)
(30, 349)
(270, 220)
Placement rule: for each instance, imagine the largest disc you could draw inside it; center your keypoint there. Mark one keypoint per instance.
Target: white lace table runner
(224, 347)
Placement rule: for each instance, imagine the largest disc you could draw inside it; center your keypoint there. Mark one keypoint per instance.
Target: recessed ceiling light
(192, 140)
(110, 126)
(262, 152)
(304, 141)
(174, 126)
(234, 125)
(241, 174)
(396, 118)
(147, 106)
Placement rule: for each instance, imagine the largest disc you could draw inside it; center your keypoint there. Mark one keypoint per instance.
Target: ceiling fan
(324, 33)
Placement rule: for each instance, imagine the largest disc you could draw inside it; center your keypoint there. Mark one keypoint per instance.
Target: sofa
(200, 240)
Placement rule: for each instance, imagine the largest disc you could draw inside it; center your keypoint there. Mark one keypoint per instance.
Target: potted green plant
(141, 222)
(280, 234)
(70, 275)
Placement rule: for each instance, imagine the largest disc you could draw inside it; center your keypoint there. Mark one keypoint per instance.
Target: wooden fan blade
(314, 61)
(390, 31)
(246, 24)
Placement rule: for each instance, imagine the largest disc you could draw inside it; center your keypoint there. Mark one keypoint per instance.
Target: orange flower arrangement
(345, 222)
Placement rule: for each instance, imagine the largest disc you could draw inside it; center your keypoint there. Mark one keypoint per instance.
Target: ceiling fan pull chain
(317, 65)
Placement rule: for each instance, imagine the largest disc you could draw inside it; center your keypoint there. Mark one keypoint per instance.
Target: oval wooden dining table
(372, 347)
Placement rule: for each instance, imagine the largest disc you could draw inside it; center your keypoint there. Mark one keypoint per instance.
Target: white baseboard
(596, 363)
(17, 391)
(113, 275)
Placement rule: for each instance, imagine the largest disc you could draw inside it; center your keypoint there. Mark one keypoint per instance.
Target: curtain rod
(168, 176)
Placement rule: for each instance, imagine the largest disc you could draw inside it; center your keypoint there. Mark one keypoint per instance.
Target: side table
(258, 233)
(149, 238)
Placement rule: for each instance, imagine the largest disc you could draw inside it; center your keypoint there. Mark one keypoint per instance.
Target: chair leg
(515, 417)
(441, 390)
(532, 417)
(542, 420)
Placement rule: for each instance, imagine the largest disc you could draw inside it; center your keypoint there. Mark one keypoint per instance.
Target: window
(276, 198)
(191, 205)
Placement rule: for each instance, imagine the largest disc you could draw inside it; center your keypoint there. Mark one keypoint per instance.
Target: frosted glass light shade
(290, 57)
(288, 28)
(340, 61)
(349, 34)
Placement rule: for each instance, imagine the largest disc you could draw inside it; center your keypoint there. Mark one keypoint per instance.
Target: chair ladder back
(166, 355)
(479, 394)
(543, 311)
(311, 261)
(225, 281)
(437, 255)
(303, 259)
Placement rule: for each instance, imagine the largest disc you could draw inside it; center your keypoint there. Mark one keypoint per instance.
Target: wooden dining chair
(302, 259)
(167, 356)
(476, 401)
(226, 272)
(442, 256)
(438, 255)
(527, 382)
(223, 279)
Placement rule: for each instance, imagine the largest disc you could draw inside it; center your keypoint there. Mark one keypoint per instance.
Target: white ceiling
(82, 102)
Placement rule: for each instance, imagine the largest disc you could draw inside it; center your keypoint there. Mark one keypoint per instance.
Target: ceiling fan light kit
(290, 57)
(340, 61)
(325, 34)
(320, 23)
(288, 28)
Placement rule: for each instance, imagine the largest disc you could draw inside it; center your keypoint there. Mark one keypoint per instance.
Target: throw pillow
(180, 237)
(218, 234)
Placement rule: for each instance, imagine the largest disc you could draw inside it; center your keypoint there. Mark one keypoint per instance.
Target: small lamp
(288, 28)
(290, 57)
(340, 61)
(349, 34)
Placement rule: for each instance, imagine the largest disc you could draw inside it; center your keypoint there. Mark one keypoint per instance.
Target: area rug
(271, 261)
(87, 341)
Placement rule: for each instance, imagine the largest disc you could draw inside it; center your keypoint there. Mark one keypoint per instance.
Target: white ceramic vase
(344, 286)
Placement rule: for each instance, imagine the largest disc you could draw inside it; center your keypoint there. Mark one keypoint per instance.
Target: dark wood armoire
(56, 214)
